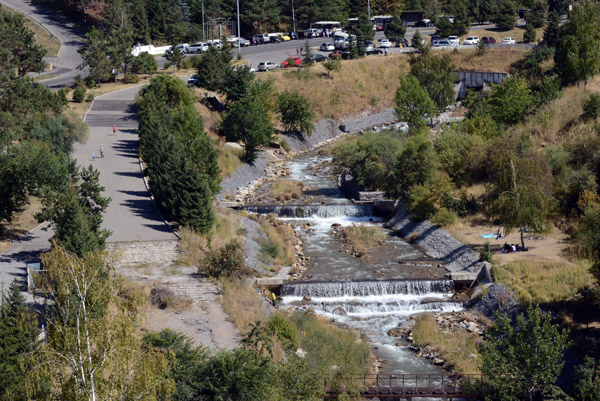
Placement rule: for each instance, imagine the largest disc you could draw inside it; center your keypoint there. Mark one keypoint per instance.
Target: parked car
(454, 40)
(265, 38)
(216, 43)
(488, 40)
(471, 40)
(257, 40)
(402, 42)
(305, 35)
(291, 62)
(233, 42)
(372, 51)
(327, 47)
(267, 66)
(425, 23)
(339, 54)
(369, 47)
(198, 47)
(385, 43)
(193, 80)
(435, 37)
(318, 58)
(442, 43)
(508, 41)
(293, 35)
(285, 37)
(275, 38)
(183, 47)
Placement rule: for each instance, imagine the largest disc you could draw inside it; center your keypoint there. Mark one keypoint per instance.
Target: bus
(380, 21)
(331, 25)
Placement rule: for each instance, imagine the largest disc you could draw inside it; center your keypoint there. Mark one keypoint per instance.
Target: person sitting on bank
(499, 233)
(506, 247)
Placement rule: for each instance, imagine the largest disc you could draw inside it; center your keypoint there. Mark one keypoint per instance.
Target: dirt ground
(199, 314)
(551, 247)
(21, 224)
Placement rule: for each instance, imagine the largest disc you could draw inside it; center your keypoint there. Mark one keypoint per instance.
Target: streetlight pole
(369, 8)
(293, 16)
(239, 38)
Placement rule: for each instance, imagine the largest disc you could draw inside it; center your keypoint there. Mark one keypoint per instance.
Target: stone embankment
(135, 253)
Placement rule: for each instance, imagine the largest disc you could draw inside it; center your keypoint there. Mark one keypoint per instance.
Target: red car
(292, 62)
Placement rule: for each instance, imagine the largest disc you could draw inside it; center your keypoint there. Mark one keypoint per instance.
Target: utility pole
(369, 9)
(293, 16)
(203, 26)
(239, 38)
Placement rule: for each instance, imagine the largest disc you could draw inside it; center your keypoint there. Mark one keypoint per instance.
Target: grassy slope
(44, 38)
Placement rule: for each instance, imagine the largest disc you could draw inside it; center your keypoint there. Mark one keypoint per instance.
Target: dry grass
(456, 348)
(495, 59)
(193, 246)
(22, 223)
(229, 159)
(363, 237)
(282, 238)
(544, 282)
(516, 33)
(284, 190)
(242, 304)
(43, 37)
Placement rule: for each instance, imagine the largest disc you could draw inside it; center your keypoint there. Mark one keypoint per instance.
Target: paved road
(131, 215)
(71, 38)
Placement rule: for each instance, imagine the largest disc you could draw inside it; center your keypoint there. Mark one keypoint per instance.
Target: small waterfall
(308, 211)
(340, 289)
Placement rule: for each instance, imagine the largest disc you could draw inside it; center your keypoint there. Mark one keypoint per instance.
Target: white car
(453, 40)
(267, 65)
(385, 43)
(441, 43)
(233, 42)
(215, 42)
(198, 47)
(327, 47)
(471, 40)
(508, 41)
(183, 47)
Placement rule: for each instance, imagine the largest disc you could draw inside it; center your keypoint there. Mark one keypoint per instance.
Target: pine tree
(18, 333)
(307, 60)
(537, 15)
(506, 17)
(552, 30)
(529, 35)
(95, 56)
(395, 29)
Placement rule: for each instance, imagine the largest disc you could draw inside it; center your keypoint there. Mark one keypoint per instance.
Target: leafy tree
(144, 63)
(577, 54)
(18, 336)
(174, 56)
(296, 381)
(334, 64)
(238, 375)
(248, 121)
(520, 186)
(585, 385)
(77, 213)
(529, 35)
(138, 19)
(59, 131)
(296, 113)
(92, 351)
(591, 107)
(510, 100)
(417, 41)
(19, 47)
(214, 69)
(415, 164)
(413, 104)
(225, 262)
(537, 15)
(462, 20)
(187, 364)
(552, 29)
(484, 10)
(436, 75)
(518, 359)
(307, 59)
(395, 29)
(95, 58)
(364, 29)
(506, 17)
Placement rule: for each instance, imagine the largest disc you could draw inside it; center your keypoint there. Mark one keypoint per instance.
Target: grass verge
(284, 190)
(544, 282)
(456, 348)
(43, 37)
(363, 237)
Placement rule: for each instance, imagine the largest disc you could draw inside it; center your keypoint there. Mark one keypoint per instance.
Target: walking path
(65, 65)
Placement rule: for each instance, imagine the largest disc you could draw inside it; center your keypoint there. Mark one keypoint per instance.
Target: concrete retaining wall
(161, 253)
(436, 242)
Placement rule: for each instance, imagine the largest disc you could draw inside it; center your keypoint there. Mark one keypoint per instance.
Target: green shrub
(195, 60)
(591, 107)
(89, 98)
(227, 261)
(444, 217)
(78, 94)
(79, 82)
(131, 79)
(285, 145)
(144, 64)
(296, 113)
(285, 330)
(271, 248)
(186, 63)
(486, 254)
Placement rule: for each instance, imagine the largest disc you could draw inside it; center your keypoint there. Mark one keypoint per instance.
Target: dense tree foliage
(182, 161)
(413, 104)
(506, 15)
(20, 50)
(517, 359)
(395, 29)
(295, 111)
(436, 75)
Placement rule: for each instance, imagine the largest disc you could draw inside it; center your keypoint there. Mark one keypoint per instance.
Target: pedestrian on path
(114, 129)
(101, 151)
(385, 50)
(93, 156)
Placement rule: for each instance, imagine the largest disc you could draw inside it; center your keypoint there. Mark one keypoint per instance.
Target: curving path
(70, 37)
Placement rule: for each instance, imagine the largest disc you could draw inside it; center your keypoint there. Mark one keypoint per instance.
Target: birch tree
(91, 352)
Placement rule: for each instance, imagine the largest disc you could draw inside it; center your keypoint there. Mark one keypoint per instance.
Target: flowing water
(373, 294)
